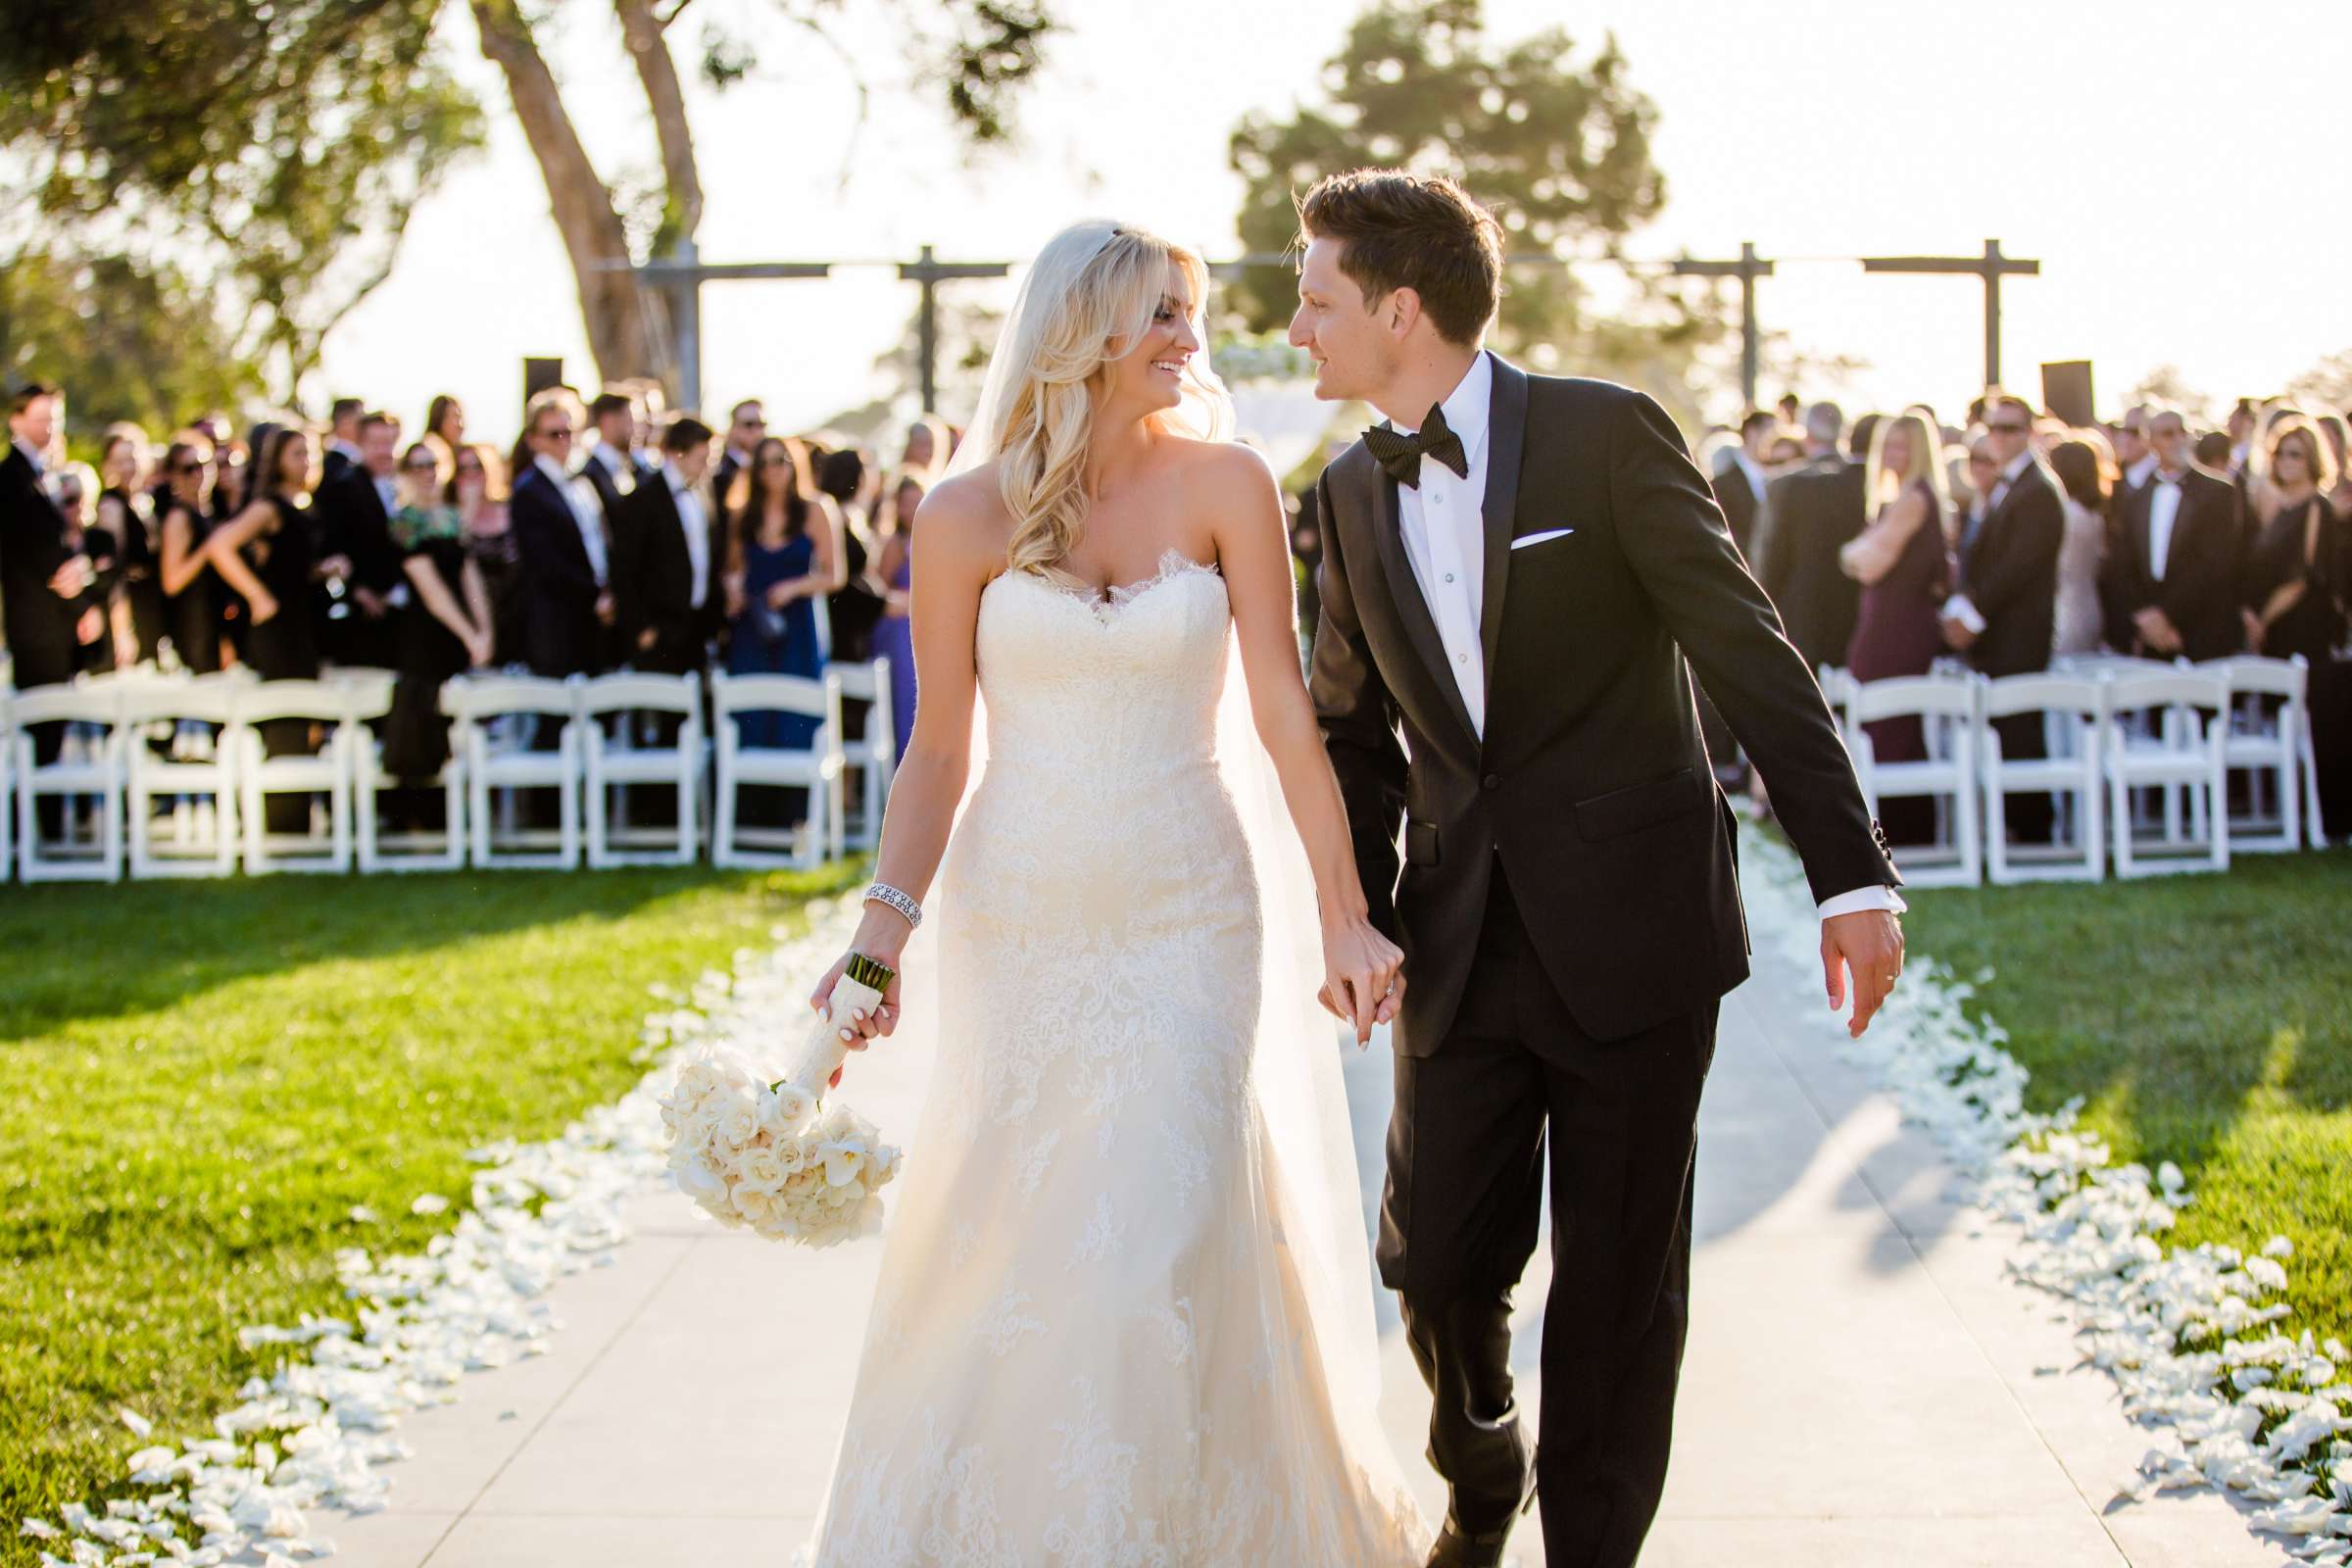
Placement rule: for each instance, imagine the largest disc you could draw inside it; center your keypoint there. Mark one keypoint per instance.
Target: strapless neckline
(1174, 566)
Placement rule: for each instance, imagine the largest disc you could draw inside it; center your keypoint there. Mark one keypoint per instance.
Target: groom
(1523, 572)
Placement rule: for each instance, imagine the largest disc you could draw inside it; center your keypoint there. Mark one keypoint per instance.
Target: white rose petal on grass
(141, 1426)
(428, 1203)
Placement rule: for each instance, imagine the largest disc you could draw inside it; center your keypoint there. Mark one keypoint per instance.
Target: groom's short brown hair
(1403, 230)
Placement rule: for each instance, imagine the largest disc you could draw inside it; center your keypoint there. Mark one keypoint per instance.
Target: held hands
(1956, 635)
(1363, 980)
(1868, 944)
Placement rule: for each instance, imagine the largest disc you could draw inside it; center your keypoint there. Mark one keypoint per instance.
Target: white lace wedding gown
(1099, 1338)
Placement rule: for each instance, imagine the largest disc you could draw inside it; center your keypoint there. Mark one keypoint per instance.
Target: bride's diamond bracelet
(884, 893)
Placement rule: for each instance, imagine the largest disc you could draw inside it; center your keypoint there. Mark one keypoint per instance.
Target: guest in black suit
(360, 624)
(1809, 516)
(669, 556)
(2004, 613)
(342, 440)
(561, 547)
(2174, 578)
(609, 466)
(41, 577)
(1740, 483)
(746, 426)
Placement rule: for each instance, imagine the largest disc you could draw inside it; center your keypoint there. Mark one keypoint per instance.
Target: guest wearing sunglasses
(191, 590)
(444, 629)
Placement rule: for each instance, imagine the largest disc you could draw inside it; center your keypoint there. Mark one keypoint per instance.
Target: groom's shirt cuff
(1870, 898)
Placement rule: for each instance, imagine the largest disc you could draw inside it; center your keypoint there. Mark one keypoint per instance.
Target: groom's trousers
(1459, 1224)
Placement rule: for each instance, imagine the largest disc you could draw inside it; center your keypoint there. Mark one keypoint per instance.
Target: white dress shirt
(1444, 525)
(616, 464)
(589, 518)
(1748, 466)
(2164, 510)
(695, 524)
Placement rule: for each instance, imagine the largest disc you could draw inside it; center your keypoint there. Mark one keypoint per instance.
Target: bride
(1124, 1316)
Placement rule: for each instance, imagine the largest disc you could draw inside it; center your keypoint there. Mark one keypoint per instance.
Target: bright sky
(2177, 169)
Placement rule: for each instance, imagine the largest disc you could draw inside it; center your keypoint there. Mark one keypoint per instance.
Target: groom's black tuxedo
(1570, 914)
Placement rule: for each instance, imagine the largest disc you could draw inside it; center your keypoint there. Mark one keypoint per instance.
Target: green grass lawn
(203, 1078)
(2205, 1020)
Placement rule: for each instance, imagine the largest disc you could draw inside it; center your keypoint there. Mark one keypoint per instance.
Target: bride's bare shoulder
(1227, 469)
(963, 526)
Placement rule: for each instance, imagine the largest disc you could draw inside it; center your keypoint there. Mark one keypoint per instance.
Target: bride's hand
(1363, 983)
(861, 1026)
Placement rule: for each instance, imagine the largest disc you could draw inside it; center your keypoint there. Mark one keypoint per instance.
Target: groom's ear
(1400, 310)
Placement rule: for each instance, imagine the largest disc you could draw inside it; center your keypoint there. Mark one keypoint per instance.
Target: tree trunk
(628, 325)
(649, 52)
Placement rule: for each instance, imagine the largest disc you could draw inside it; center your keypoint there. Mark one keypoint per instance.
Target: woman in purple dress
(894, 633)
(1902, 557)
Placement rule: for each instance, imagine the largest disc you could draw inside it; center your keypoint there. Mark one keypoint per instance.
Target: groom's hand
(1869, 945)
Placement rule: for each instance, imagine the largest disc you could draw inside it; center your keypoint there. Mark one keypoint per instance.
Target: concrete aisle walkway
(1863, 1386)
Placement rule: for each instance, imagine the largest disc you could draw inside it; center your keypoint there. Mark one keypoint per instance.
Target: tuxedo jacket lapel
(1404, 592)
(1506, 442)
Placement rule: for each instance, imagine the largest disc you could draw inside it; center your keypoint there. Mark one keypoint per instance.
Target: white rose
(792, 1155)
(738, 1125)
(783, 1111)
(760, 1168)
(697, 1081)
(754, 1203)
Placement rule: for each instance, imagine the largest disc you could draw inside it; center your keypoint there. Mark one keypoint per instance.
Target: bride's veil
(1296, 1079)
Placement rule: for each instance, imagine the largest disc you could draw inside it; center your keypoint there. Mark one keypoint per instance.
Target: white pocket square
(1526, 539)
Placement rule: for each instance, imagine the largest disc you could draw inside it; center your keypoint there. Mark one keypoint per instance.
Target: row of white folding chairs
(217, 774)
(2140, 764)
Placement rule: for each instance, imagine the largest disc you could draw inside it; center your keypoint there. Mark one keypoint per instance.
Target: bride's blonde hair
(1091, 294)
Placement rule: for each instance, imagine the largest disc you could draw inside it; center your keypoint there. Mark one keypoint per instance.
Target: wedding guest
(650, 411)
(669, 556)
(40, 578)
(76, 497)
(2334, 428)
(342, 439)
(2211, 450)
(2085, 475)
(266, 553)
(192, 597)
(1740, 486)
(787, 553)
(477, 489)
(445, 423)
(1809, 513)
(126, 512)
(562, 547)
(2243, 419)
(2133, 455)
(2003, 613)
(747, 424)
(1901, 558)
(2296, 578)
(354, 521)
(846, 629)
(894, 633)
(444, 629)
(927, 448)
(2173, 577)
(609, 467)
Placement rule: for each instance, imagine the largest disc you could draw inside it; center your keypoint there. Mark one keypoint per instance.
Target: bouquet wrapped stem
(771, 1154)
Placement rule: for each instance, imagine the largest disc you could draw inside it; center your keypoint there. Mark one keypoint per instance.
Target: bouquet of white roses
(773, 1155)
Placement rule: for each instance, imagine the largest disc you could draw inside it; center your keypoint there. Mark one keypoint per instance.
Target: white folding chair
(1946, 708)
(198, 776)
(326, 771)
(2265, 743)
(89, 765)
(612, 766)
(2072, 772)
(2168, 731)
(873, 756)
(496, 758)
(368, 693)
(816, 769)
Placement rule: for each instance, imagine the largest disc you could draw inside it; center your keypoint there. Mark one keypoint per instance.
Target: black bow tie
(1402, 454)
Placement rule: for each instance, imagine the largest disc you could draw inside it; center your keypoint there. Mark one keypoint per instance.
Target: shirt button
(1437, 498)
(1461, 659)
(1450, 576)
(1492, 781)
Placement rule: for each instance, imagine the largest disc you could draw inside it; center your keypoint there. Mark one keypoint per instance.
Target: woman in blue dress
(786, 540)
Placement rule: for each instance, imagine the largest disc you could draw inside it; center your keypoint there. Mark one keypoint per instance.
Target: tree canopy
(1558, 148)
